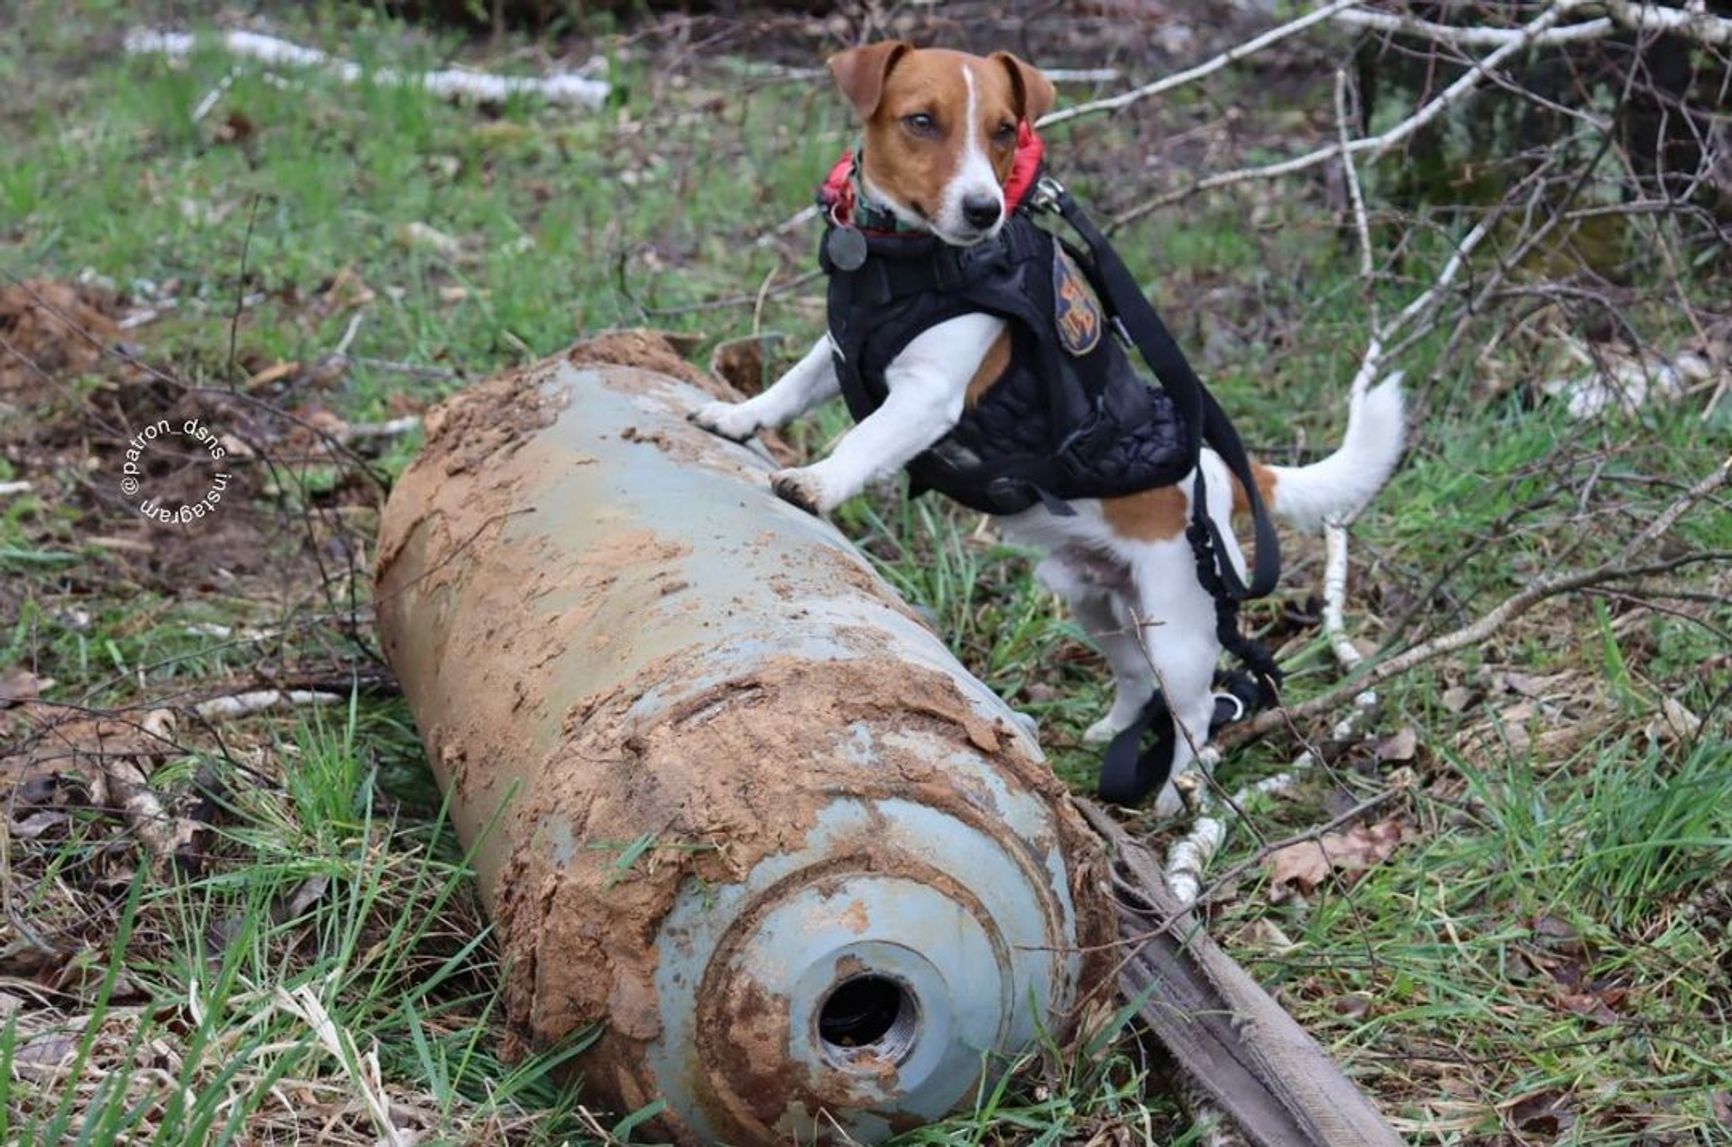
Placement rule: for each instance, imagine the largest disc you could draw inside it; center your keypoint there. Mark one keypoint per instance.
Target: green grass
(1553, 932)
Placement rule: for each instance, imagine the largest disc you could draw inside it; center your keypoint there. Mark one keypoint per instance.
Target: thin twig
(1208, 67)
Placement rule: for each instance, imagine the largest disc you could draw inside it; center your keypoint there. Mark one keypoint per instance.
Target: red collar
(837, 194)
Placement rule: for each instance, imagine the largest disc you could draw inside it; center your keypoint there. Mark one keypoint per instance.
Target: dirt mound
(53, 332)
(179, 487)
(646, 349)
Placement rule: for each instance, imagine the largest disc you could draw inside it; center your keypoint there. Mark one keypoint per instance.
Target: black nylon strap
(910, 265)
(1130, 773)
(1207, 421)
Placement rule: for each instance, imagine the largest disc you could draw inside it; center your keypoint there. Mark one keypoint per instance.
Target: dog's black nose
(981, 211)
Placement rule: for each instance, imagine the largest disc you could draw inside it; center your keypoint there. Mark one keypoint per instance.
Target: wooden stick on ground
(1251, 1058)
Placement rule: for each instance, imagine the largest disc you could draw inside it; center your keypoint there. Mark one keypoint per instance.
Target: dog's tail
(1341, 483)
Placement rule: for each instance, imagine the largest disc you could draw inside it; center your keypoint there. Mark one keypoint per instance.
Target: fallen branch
(9, 488)
(260, 701)
(1250, 1057)
(1689, 22)
(560, 87)
(215, 94)
(416, 369)
(780, 72)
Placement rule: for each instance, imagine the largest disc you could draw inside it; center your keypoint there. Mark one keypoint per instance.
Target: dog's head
(941, 131)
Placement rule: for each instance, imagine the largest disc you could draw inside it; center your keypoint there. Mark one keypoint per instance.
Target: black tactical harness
(1069, 417)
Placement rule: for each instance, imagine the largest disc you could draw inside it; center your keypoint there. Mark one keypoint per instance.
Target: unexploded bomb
(727, 795)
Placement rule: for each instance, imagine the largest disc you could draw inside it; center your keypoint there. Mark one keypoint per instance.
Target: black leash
(1129, 772)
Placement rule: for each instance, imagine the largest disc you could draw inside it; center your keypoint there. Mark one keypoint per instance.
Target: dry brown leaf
(37, 823)
(1589, 1005)
(22, 685)
(1673, 723)
(1545, 1113)
(44, 1055)
(344, 292)
(1555, 928)
(1398, 746)
(1458, 697)
(1265, 933)
(1353, 1006)
(1302, 867)
(1527, 684)
(236, 128)
(276, 372)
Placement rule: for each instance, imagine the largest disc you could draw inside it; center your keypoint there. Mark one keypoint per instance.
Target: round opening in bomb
(868, 1015)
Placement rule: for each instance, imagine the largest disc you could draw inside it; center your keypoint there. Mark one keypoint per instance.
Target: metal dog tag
(846, 248)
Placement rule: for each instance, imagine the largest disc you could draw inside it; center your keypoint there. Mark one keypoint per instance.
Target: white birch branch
(1209, 67)
(260, 701)
(1690, 22)
(1472, 35)
(560, 87)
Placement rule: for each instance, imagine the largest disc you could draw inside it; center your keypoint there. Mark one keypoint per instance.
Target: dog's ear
(1035, 94)
(860, 72)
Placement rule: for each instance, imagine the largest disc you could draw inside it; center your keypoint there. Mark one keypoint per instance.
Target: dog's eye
(920, 123)
(1004, 134)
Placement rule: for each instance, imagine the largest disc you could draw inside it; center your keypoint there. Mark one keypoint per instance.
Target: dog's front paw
(802, 488)
(729, 419)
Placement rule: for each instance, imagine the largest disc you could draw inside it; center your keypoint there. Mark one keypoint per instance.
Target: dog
(941, 132)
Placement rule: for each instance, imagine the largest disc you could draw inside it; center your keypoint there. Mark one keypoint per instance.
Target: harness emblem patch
(1076, 312)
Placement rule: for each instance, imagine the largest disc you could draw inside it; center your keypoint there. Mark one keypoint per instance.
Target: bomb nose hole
(872, 1014)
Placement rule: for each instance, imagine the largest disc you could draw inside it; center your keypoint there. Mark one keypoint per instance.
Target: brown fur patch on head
(860, 72)
(1149, 516)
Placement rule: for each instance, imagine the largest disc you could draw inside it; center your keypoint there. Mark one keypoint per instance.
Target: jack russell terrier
(973, 351)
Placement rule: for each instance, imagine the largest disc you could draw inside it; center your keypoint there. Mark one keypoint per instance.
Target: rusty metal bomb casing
(725, 793)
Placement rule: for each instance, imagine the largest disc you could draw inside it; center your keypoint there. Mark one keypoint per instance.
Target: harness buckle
(1076, 455)
(1047, 192)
